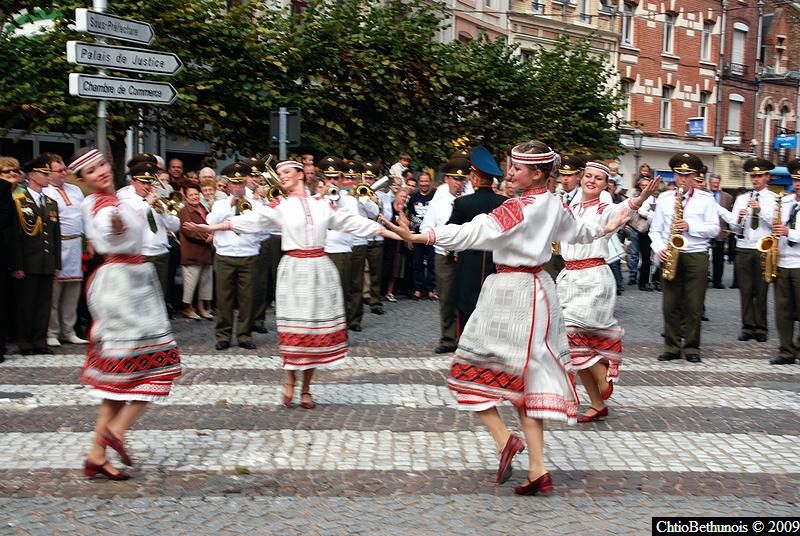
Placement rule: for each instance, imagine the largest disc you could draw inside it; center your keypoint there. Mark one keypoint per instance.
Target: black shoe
(42, 351)
(657, 287)
(26, 351)
(377, 311)
(669, 356)
(222, 345)
(2, 358)
(693, 358)
(445, 349)
(247, 345)
(619, 292)
(761, 337)
(705, 318)
(356, 328)
(745, 337)
(631, 282)
(781, 360)
(645, 288)
(734, 286)
(260, 329)
(717, 285)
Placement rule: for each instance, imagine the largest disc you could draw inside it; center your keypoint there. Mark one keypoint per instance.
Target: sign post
(137, 60)
(284, 130)
(787, 141)
(122, 89)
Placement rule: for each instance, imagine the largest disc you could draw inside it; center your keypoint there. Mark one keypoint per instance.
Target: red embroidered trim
(581, 343)
(487, 377)
(502, 268)
(582, 264)
(586, 204)
(534, 191)
(122, 258)
(158, 365)
(601, 207)
(311, 340)
(305, 253)
(431, 240)
(103, 200)
(510, 213)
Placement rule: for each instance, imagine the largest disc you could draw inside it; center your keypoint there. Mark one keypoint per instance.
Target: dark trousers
(645, 252)
(752, 291)
(445, 276)
(682, 304)
(375, 262)
(356, 298)
(342, 262)
(717, 261)
(732, 259)
(424, 268)
(552, 267)
(261, 283)
(33, 294)
(616, 269)
(173, 297)
(161, 264)
(787, 300)
(234, 277)
(633, 258)
(5, 310)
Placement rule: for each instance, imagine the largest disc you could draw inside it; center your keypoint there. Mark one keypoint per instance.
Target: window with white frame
(737, 46)
(766, 132)
(666, 108)
(627, 24)
(735, 102)
(537, 6)
(585, 16)
(626, 87)
(702, 109)
(705, 41)
(668, 43)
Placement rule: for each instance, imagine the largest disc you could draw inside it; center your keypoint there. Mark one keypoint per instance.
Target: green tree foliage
(371, 79)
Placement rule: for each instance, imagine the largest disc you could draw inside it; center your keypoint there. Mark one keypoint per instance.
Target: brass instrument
(274, 188)
(244, 206)
(364, 190)
(555, 245)
(333, 193)
(768, 246)
(171, 204)
(669, 269)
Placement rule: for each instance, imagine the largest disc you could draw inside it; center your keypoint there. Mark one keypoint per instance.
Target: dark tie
(792, 220)
(151, 221)
(754, 218)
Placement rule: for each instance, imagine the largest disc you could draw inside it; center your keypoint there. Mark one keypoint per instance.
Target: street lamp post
(637, 136)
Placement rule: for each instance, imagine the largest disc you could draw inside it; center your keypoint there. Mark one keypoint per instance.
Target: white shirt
(520, 232)
(575, 196)
(97, 227)
(228, 243)
(367, 209)
(699, 211)
(153, 243)
(598, 213)
(438, 214)
(789, 256)
(766, 200)
(69, 199)
(397, 170)
(337, 241)
(250, 196)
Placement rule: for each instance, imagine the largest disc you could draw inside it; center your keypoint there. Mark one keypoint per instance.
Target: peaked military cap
(236, 172)
(794, 168)
(145, 172)
(331, 166)
(685, 163)
(41, 164)
(143, 157)
(571, 164)
(757, 165)
(460, 154)
(371, 169)
(458, 167)
(256, 165)
(483, 161)
(353, 169)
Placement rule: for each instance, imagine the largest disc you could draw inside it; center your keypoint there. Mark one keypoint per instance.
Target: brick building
(668, 64)
(470, 18)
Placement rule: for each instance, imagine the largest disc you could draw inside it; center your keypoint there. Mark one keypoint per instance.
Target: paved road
(386, 451)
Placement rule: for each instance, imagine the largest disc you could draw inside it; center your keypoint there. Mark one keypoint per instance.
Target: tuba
(676, 241)
(768, 246)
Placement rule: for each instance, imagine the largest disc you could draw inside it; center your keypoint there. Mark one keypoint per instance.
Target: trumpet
(333, 193)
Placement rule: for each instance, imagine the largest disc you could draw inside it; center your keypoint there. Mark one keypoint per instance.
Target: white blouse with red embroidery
(598, 213)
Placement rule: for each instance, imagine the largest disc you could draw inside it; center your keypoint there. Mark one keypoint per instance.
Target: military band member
(569, 178)
(34, 249)
(474, 266)
(67, 285)
(787, 285)
(683, 297)
(235, 261)
(8, 215)
(366, 208)
(438, 214)
(255, 192)
(143, 197)
(375, 243)
(754, 210)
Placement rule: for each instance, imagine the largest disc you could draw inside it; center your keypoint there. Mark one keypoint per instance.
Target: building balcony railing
(733, 137)
(735, 69)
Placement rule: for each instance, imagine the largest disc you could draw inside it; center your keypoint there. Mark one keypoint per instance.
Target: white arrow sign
(121, 89)
(137, 60)
(107, 25)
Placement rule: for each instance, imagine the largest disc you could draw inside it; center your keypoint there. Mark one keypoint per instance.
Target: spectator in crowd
(306, 159)
(424, 256)
(399, 168)
(9, 171)
(175, 171)
(222, 187)
(197, 257)
(725, 200)
(310, 172)
(646, 171)
(397, 253)
(208, 193)
(409, 180)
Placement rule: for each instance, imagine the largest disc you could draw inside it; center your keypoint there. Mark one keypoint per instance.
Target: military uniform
(8, 215)
(34, 248)
(375, 246)
(570, 165)
(264, 262)
(366, 208)
(754, 226)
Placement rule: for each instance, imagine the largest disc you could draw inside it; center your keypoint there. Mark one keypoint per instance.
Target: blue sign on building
(787, 141)
(697, 126)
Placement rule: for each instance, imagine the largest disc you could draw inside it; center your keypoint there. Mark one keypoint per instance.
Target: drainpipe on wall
(718, 118)
(760, 5)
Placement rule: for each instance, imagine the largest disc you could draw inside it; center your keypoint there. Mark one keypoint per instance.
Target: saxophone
(768, 246)
(676, 241)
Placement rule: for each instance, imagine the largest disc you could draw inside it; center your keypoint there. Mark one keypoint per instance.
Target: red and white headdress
(598, 165)
(289, 163)
(84, 160)
(533, 159)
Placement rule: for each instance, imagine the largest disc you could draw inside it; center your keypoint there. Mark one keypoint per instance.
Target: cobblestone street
(387, 452)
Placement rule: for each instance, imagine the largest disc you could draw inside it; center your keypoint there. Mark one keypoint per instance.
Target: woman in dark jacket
(197, 257)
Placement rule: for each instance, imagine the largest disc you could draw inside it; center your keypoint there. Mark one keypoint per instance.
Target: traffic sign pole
(101, 136)
(283, 133)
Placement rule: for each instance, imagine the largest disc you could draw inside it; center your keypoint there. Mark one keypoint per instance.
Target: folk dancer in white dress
(309, 306)
(514, 346)
(587, 292)
(67, 284)
(132, 357)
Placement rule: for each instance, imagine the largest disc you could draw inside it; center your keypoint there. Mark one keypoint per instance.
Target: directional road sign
(137, 60)
(121, 89)
(114, 27)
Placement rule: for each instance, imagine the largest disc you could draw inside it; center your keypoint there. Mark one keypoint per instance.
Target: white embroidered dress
(514, 346)
(309, 307)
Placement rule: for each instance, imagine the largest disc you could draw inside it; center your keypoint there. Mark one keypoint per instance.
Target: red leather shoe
(599, 415)
(91, 469)
(307, 405)
(286, 400)
(110, 440)
(606, 394)
(514, 446)
(541, 486)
